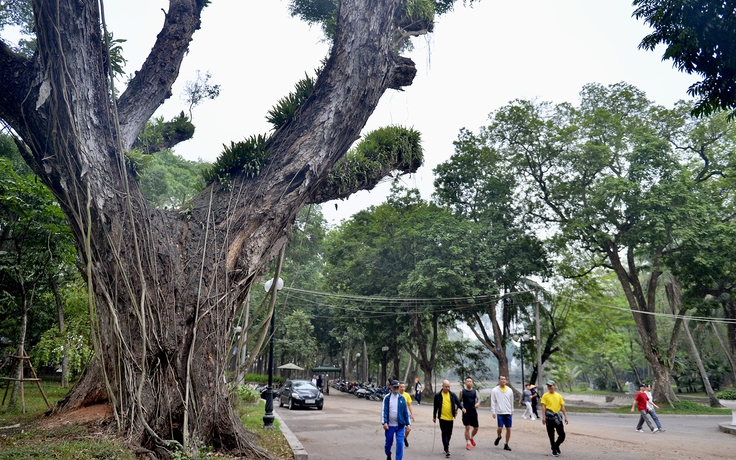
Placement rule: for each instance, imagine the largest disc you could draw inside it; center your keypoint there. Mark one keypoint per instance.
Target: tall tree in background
(164, 286)
(35, 247)
(500, 248)
(618, 181)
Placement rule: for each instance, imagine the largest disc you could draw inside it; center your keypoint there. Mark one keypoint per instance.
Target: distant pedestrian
(446, 404)
(471, 401)
(418, 390)
(535, 399)
(526, 401)
(553, 405)
(640, 402)
(651, 406)
(502, 408)
(402, 392)
(395, 420)
(314, 380)
(319, 381)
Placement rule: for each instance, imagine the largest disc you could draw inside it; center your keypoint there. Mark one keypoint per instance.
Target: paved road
(349, 428)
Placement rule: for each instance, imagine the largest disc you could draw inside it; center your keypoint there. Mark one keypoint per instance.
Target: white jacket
(502, 402)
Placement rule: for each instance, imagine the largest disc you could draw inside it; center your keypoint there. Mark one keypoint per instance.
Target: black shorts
(470, 418)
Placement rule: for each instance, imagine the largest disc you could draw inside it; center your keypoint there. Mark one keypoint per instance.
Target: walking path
(350, 429)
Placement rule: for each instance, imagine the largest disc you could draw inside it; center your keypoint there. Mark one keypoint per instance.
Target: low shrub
(728, 393)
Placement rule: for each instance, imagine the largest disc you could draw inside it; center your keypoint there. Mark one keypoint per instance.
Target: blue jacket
(403, 411)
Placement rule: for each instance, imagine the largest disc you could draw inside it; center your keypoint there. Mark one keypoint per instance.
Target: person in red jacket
(640, 401)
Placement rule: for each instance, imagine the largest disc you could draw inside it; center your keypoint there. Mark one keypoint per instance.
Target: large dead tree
(165, 285)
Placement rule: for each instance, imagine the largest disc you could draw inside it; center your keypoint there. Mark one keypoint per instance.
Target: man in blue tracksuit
(395, 420)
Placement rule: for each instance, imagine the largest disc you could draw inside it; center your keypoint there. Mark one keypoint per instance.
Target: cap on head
(642, 385)
(551, 383)
(394, 383)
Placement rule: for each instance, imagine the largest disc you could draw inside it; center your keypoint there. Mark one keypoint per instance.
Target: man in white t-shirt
(651, 406)
(502, 408)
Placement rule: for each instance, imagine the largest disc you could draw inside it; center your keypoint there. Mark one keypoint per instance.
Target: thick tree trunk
(641, 301)
(164, 286)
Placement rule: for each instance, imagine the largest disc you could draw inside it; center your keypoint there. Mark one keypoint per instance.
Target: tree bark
(674, 298)
(164, 286)
(731, 362)
(20, 352)
(62, 331)
(641, 302)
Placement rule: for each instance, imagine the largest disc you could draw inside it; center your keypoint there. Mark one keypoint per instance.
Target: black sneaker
(495, 443)
(406, 442)
(555, 454)
(506, 447)
(447, 453)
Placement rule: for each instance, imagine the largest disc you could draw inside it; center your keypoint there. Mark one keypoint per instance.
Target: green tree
(169, 181)
(298, 344)
(699, 39)
(608, 180)
(499, 250)
(167, 285)
(35, 243)
(392, 251)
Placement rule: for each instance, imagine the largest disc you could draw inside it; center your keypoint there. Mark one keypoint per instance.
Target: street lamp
(357, 371)
(384, 349)
(521, 339)
(268, 417)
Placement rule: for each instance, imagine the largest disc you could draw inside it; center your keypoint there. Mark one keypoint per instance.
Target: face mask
(395, 391)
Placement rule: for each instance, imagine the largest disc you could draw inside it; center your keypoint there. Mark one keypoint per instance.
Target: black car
(300, 393)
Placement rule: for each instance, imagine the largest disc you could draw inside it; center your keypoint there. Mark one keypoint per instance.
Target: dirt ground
(349, 428)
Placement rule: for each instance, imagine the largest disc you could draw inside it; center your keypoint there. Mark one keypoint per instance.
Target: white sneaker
(533, 418)
(639, 431)
(524, 417)
(655, 430)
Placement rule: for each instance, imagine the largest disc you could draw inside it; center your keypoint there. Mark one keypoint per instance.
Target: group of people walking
(397, 415)
(645, 404)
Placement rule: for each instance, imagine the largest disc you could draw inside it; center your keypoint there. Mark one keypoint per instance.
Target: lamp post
(384, 349)
(521, 339)
(272, 287)
(357, 369)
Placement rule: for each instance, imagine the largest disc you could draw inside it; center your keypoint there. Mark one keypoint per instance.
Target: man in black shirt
(471, 401)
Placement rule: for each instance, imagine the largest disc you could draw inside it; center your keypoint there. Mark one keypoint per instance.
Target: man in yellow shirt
(402, 392)
(446, 404)
(552, 406)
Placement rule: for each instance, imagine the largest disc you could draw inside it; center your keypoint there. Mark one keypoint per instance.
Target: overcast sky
(477, 60)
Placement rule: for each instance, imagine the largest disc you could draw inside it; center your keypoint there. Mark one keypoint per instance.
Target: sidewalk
(350, 428)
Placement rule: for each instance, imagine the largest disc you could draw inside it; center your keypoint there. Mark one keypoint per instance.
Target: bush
(248, 393)
(261, 379)
(729, 393)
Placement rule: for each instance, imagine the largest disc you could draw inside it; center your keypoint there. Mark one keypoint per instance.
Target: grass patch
(681, 408)
(35, 404)
(272, 440)
(76, 443)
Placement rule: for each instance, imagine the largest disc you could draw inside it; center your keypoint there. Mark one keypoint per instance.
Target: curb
(299, 452)
(727, 428)
(613, 414)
